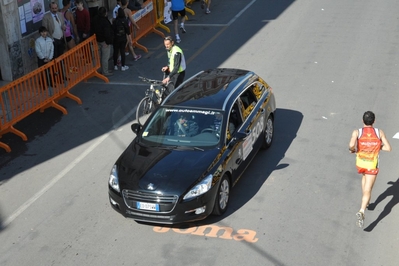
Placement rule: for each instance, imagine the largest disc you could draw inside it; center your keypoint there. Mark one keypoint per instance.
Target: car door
(252, 115)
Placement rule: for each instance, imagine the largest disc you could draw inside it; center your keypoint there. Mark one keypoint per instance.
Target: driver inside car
(184, 127)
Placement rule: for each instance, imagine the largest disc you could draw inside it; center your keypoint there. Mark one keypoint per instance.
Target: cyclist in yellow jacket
(176, 69)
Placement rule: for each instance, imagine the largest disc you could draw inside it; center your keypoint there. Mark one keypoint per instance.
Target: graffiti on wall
(16, 60)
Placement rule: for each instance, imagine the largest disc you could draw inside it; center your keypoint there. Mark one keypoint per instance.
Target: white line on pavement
(69, 167)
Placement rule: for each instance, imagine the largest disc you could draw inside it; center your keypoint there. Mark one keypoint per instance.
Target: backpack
(120, 28)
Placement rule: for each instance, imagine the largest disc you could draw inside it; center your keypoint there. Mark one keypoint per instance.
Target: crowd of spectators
(66, 28)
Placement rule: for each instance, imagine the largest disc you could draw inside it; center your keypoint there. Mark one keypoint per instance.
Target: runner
(367, 142)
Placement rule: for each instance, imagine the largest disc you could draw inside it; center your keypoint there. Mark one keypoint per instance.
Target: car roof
(211, 89)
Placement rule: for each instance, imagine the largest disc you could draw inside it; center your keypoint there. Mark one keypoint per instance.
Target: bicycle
(153, 97)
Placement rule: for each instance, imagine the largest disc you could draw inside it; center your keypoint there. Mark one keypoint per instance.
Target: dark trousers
(93, 12)
(119, 47)
(175, 81)
(40, 62)
(59, 47)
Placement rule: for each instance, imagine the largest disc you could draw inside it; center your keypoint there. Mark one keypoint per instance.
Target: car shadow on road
(393, 191)
(286, 125)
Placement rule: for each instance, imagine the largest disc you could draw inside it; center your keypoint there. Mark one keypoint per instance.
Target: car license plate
(147, 206)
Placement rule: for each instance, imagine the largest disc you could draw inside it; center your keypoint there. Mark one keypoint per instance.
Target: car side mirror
(136, 127)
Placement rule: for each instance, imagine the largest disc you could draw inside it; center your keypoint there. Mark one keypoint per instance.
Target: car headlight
(200, 188)
(113, 179)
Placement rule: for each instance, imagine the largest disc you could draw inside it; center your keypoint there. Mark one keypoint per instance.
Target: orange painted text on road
(222, 232)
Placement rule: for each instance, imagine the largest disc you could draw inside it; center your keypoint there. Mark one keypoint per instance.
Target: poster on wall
(31, 13)
(37, 10)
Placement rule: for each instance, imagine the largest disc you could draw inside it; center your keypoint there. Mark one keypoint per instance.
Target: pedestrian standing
(130, 20)
(44, 48)
(93, 6)
(82, 20)
(53, 21)
(367, 142)
(102, 27)
(70, 26)
(115, 11)
(178, 8)
(176, 69)
(121, 30)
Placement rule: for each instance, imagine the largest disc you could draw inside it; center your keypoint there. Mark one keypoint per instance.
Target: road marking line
(69, 167)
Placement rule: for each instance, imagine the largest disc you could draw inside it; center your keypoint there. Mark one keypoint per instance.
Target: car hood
(168, 171)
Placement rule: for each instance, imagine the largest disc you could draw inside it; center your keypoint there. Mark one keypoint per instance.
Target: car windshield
(176, 127)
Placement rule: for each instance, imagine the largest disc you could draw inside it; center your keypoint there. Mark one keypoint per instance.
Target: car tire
(145, 107)
(222, 197)
(268, 133)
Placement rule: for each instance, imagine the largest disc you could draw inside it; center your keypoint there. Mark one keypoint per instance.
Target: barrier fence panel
(43, 87)
(147, 22)
(189, 10)
(159, 18)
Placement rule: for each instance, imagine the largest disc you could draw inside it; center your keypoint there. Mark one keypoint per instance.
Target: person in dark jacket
(121, 29)
(104, 35)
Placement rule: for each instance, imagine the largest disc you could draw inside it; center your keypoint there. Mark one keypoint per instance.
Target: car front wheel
(222, 197)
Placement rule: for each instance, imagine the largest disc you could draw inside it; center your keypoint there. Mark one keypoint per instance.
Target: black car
(194, 148)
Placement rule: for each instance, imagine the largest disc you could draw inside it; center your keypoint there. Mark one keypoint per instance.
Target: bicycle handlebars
(152, 81)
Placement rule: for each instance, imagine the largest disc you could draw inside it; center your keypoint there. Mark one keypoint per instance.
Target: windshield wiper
(189, 148)
(180, 148)
(168, 147)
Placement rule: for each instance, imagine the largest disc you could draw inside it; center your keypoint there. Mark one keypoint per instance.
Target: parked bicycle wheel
(145, 107)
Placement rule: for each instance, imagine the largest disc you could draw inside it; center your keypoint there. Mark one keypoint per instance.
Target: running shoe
(202, 4)
(115, 67)
(207, 11)
(137, 57)
(182, 29)
(124, 68)
(178, 40)
(360, 219)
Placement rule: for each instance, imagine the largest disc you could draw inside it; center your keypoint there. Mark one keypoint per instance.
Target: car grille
(166, 202)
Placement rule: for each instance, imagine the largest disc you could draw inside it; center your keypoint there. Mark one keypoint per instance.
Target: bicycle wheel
(145, 107)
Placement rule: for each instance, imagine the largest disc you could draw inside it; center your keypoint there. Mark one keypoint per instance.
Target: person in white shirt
(44, 47)
(115, 11)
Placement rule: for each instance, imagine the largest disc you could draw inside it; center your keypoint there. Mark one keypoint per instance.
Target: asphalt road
(327, 61)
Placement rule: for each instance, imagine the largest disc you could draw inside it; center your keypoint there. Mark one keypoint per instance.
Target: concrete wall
(10, 44)
(17, 53)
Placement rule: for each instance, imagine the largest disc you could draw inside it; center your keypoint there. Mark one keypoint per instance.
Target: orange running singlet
(368, 148)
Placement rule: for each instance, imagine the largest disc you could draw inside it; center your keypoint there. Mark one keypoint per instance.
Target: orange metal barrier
(160, 5)
(189, 10)
(146, 20)
(45, 86)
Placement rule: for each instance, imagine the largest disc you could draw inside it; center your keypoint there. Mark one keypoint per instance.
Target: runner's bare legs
(367, 185)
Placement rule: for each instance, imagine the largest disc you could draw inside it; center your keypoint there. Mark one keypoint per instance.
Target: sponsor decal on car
(190, 111)
(248, 144)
